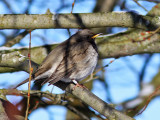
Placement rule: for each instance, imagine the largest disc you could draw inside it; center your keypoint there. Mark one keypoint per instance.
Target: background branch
(121, 44)
(81, 20)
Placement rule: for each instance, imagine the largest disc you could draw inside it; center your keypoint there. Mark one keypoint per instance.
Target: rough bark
(81, 20)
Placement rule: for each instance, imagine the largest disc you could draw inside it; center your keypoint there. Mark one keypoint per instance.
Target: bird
(69, 62)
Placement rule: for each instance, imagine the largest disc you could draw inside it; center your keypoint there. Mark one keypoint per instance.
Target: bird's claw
(79, 85)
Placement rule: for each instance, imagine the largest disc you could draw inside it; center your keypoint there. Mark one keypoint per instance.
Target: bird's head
(86, 34)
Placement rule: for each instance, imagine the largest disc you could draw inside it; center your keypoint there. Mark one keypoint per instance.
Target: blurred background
(126, 82)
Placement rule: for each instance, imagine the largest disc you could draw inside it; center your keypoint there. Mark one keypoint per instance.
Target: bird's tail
(21, 83)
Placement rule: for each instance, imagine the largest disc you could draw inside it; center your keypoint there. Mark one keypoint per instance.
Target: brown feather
(74, 59)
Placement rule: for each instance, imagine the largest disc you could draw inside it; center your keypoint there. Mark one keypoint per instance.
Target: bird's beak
(96, 35)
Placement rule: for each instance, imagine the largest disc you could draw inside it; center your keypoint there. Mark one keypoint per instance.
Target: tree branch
(96, 103)
(82, 94)
(56, 98)
(81, 20)
(121, 44)
(16, 39)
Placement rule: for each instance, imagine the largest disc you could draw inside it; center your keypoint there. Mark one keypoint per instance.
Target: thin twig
(30, 75)
(77, 112)
(103, 67)
(73, 6)
(16, 39)
(149, 99)
(140, 5)
(92, 78)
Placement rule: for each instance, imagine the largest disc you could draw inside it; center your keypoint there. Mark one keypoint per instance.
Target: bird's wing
(70, 63)
(51, 61)
(55, 77)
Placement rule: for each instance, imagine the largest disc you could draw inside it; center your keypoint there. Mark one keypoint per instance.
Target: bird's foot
(78, 85)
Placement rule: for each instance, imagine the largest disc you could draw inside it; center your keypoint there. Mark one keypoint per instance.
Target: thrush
(71, 61)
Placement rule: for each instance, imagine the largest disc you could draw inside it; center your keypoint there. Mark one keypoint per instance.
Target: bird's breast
(86, 65)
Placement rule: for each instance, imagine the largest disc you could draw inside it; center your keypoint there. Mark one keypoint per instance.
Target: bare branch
(96, 103)
(82, 20)
(56, 98)
(16, 39)
(121, 44)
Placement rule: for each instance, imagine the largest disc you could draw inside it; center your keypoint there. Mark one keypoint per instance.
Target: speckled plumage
(74, 59)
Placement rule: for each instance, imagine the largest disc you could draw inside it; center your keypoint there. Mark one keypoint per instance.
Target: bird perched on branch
(71, 61)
